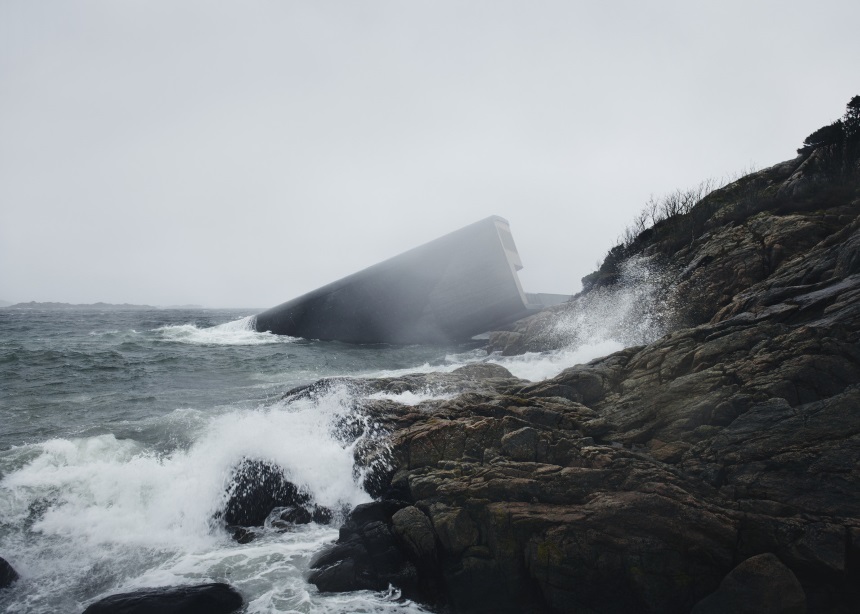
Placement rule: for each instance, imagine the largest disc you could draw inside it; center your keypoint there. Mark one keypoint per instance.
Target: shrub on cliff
(668, 224)
(846, 128)
(851, 119)
(826, 135)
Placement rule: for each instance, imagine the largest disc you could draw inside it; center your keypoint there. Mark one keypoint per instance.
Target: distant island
(93, 306)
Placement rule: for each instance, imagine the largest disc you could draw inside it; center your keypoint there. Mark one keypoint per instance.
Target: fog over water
(244, 153)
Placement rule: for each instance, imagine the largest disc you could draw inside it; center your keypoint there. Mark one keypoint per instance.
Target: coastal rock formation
(7, 573)
(640, 481)
(382, 543)
(759, 585)
(215, 598)
(258, 488)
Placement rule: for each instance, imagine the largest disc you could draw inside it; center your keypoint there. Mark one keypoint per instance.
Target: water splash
(237, 332)
(96, 515)
(637, 310)
(409, 397)
(537, 366)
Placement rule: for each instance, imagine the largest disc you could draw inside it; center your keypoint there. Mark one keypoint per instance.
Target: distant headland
(93, 306)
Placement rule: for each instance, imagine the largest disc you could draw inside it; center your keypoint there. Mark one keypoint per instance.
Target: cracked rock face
(717, 462)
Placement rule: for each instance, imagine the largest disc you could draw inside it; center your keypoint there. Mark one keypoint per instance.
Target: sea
(119, 432)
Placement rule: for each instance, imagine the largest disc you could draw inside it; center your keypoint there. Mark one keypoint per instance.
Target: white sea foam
(97, 500)
(540, 366)
(237, 332)
(109, 490)
(636, 310)
(412, 398)
(450, 363)
(423, 368)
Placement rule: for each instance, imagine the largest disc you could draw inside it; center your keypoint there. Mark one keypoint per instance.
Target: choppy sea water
(119, 431)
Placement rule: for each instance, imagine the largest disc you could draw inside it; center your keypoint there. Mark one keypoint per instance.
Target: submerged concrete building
(450, 289)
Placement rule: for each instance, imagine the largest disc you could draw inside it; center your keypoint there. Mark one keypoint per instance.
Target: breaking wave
(636, 310)
(536, 366)
(111, 512)
(86, 516)
(237, 332)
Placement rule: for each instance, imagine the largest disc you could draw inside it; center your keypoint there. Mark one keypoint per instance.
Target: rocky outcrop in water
(640, 481)
(7, 573)
(215, 598)
(258, 488)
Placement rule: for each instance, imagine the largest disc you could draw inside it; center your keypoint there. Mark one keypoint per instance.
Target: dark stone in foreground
(215, 598)
(759, 585)
(257, 489)
(384, 542)
(242, 535)
(7, 573)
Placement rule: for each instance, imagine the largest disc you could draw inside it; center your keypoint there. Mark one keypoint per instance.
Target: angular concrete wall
(449, 289)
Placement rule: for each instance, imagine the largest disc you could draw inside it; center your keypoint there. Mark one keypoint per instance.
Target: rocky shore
(715, 469)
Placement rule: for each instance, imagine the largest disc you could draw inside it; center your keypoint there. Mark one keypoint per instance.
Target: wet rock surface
(759, 585)
(638, 482)
(215, 598)
(7, 573)
(367, 555)
(257, 489)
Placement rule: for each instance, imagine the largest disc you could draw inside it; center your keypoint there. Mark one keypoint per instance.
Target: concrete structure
(449, 289)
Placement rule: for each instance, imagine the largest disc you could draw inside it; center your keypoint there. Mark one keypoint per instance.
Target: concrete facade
(447, 290)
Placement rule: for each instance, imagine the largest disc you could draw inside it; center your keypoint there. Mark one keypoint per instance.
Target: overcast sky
(243, 153)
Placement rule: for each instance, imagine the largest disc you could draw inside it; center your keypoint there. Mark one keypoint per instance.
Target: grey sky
(242, 153)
